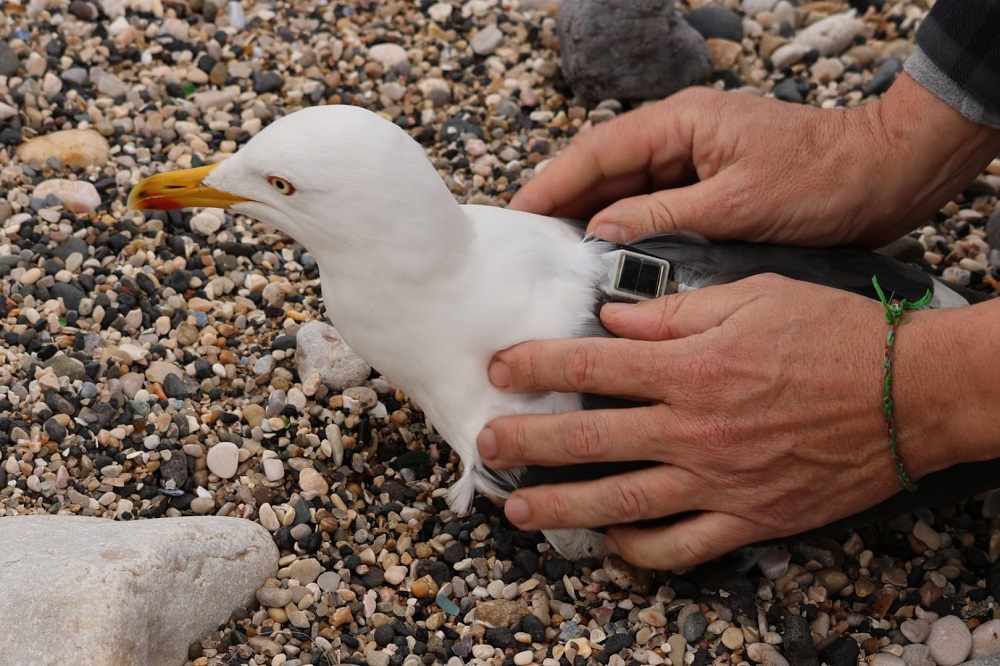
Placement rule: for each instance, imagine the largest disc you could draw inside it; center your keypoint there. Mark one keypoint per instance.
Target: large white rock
(94, 592)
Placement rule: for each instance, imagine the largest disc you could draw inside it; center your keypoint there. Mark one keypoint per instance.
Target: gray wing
(698, 263)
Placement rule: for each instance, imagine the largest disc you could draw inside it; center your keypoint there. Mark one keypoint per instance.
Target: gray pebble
(694, 627)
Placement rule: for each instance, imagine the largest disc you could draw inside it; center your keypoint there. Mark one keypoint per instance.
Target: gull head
(325, 173)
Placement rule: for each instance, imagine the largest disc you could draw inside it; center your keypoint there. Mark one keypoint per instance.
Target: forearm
(947, 395)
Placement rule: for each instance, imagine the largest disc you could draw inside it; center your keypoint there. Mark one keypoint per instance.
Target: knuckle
(532, 368)
(659, 217)
(628, 501)
(557, 509)
(588, 436)
(583, 365)
(692, 548)
(515, 445)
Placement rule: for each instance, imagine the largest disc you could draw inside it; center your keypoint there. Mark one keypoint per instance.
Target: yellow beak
(180, 189)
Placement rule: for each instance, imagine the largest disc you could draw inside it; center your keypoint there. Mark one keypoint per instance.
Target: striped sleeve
(959, 57)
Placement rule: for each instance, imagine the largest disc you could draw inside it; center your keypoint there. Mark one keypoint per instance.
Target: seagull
(428, 290)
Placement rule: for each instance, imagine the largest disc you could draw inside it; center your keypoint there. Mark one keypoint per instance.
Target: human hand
(730, 165)
(765, 418)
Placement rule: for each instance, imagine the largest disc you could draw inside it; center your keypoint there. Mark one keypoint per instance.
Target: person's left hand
(765, 418)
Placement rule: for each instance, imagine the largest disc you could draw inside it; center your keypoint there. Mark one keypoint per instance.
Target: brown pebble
(342, 616)
(423, 588)
(929, 593)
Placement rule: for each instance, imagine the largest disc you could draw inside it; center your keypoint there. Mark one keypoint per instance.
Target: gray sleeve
(930, 76)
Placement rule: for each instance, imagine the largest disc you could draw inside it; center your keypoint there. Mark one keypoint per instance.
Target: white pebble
(223, 459)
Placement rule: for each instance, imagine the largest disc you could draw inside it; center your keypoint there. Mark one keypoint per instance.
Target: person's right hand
(729, 165)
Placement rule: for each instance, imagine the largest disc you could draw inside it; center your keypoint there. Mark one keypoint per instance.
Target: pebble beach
(175, 364)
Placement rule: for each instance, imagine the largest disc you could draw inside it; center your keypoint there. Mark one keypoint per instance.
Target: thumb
(677, 315)
(691, 208)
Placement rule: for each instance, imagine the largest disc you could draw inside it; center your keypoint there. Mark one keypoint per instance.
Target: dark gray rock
(715, 22)
(993, 230)
(843, 651)
(629, 50)
(798, 644)
(267, 82)
(70, 246)
(66, 366)
(883, 77)
(84, 11)
(788, 91)
(9, 63)
(70, 294)
(174, 387)
(694, 627)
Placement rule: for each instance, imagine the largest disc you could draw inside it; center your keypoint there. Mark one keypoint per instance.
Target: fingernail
(614, 309)
(486, 442)
(516, 510)
(610, 544)
(610, 232)
(499, 374)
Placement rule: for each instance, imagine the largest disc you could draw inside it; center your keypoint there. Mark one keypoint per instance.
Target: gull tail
(475, 478)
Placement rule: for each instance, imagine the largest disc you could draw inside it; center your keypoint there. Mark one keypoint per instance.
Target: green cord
(894, 311)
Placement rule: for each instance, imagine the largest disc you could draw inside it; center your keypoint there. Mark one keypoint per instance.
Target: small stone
(396, 574)
(319, 349)
(78, 196)
(928, 535)
(486, 40)
(268, 518)
(986, 640)
(388, 55)
(223, 459)
(253, 414)
(694, 627)
(274, 469)
(312, 481)
(76, 149)
(732, 638)
(915, 630)
(501, 612)
(270, 596)
(202, 505)
(524, 658)
(716, 22)
(424, 588)
(305, 570)
(175, 387)
(436, 90)
(831, 35)
(205, 223)
(949, 641)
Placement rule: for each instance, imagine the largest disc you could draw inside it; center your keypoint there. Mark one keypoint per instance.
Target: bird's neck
(409, 229)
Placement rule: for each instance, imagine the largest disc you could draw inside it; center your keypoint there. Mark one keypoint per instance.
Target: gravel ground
(149, 363)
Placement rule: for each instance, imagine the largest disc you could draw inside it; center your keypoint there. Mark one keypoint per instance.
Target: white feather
(422, 288)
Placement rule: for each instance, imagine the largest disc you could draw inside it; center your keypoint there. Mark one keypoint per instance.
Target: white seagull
(427, 290)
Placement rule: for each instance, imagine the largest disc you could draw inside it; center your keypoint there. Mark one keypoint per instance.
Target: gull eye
(283, 186)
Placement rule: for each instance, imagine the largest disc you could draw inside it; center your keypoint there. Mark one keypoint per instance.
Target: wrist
(945, 388)
(928, 150)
